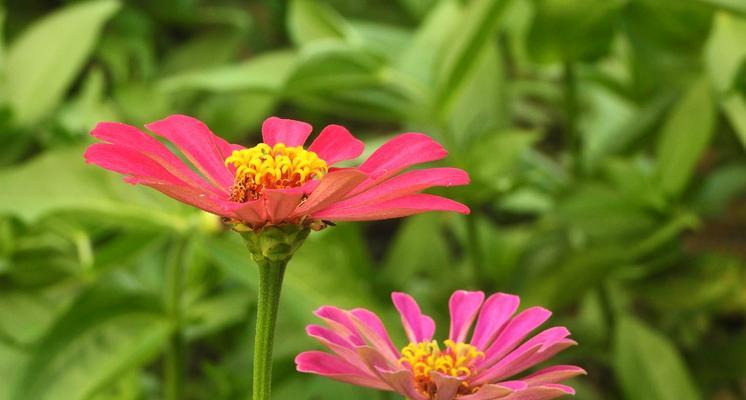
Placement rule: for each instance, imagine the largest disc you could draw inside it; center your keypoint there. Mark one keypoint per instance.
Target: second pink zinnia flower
(279, 181)
(485, 367)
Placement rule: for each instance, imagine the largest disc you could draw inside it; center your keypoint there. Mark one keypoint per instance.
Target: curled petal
(447, 386)
(495, 391)
(251, 212)
(402, 382)
(287, 131)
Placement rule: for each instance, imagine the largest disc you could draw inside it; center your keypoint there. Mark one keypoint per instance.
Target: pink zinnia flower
(278, 181)
(482, 368)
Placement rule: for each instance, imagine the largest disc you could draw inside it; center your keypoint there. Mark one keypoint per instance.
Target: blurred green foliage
(605, 140)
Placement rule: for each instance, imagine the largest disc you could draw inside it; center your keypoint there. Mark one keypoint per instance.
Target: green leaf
(728, 5)
(734, 108)
(345, 80)
(572, 30)
(648, 365)
(474, 32)
(106, 333)
(421, 58)
(725, 52)
(46, 58)
(266, 72)
(309, 21)
(685, 136)
(61, 181)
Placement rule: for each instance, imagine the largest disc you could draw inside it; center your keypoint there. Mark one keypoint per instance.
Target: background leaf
(43, 62)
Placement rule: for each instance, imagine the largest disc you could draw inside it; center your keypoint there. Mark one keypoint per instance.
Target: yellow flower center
(457, 360)
(279, 167)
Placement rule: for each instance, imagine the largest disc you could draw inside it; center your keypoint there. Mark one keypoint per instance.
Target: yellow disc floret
(278, 167)
(456, 360)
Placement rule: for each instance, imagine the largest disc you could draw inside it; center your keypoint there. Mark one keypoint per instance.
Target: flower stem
(174, 362)
(271, 274)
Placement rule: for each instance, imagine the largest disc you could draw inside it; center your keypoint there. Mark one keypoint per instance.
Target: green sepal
(275, 243)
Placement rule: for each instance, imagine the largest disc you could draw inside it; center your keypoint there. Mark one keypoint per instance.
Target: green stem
(174, 362)
(270, 286)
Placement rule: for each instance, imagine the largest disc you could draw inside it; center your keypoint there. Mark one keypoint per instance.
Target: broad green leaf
(494, 160)
(46, 58)
(648, 366)
(12, 362)
(206, 51)
(725, 52)
(475, 31)
(61, 181)
(410, 259)
(106, 333)
(728, 5)
(345, 80)
(422, 56)
(685, 136)
(266, 72)
(734, 107)
(572, 30)
(309, 21)
(479, 105)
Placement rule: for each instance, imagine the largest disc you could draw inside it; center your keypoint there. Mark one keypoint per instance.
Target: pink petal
(375, 361)
(133, 139)
(464, 307)
(419, 327)
(281, 203)
(546, 392)
(320, 363)
(496, 311)
(251, 212)
(339, 320)
(129, 162)
(203, 149)
(405, 184)
(371, 327)
(189, 195)
(397, 154)
(287, 131)
(554, 374)
(513, 333)
(402, 382)
(495, 391)
(400, 207)
(536, 350)
(332, 188)
(335, 143)
(337, 344)
(447, 386)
